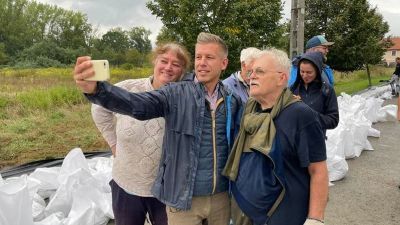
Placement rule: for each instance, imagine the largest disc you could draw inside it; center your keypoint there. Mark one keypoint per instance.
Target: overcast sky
(105, 14)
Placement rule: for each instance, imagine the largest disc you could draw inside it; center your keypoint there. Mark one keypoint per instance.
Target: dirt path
(369, 194)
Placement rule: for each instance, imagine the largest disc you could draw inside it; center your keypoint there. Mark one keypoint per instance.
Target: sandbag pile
(74, 194)
(349, 138)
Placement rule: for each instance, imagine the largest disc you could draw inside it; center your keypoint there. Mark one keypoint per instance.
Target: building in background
(389, 58)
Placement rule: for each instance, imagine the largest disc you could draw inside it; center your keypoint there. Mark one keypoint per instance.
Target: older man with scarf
(278, 162)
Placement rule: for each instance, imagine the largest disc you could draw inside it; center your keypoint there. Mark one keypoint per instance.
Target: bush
(127, 66)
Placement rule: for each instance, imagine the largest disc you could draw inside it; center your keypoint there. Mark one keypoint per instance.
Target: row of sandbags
(357, 114)
(77, 193)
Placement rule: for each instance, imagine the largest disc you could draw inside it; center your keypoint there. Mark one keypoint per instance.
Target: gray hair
(207, 38)
(247, 55)
(281, 58)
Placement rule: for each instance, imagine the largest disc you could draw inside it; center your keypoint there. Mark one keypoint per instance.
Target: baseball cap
(316, 41)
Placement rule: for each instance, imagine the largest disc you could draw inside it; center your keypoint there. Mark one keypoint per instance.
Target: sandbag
(15, 202)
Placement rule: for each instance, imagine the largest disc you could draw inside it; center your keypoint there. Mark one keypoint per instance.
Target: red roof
(396, 43)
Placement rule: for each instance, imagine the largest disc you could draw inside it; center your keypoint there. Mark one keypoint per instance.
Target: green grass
(43, 114)
(354, 82)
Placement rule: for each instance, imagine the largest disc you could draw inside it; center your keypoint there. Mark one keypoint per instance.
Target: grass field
(44, 116)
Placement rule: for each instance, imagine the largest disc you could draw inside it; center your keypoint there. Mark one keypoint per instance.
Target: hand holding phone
(101, 70)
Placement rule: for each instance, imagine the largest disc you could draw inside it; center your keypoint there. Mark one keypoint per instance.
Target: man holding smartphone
(201, 118)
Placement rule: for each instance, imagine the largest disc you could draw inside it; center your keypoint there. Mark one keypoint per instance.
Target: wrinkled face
(307, 72)
(209, 62)
(266, 78)
(167, 68)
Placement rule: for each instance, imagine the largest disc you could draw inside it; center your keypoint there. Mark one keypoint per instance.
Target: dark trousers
(132, 209)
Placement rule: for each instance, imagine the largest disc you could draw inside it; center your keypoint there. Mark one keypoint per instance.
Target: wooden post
(297, 28)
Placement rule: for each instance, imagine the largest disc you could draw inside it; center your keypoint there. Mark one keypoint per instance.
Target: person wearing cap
(314, 89)
(238, 82)
(317, 43)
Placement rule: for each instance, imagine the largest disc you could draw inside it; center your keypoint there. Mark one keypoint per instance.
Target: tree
(241, 23)
(25, 23)
(115, 39)
(355, 27)
(3, 56)
(139, 39)
(166, 35)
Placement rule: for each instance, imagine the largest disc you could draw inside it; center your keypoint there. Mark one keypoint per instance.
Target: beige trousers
(215, 209)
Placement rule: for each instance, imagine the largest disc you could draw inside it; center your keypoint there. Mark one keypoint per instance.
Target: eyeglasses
(260, 72)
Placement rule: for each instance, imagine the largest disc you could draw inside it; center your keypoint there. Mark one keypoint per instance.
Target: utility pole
(297, 28)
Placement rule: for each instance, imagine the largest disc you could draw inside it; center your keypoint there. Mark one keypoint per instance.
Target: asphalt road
(370, 194)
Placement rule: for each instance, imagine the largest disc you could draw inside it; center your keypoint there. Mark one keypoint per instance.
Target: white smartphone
(101, 70)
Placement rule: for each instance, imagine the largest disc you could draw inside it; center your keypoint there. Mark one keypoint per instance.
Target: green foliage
(167, 35)
(3, 55)
(139, 39)
(242, 24)
(25, 23)
(47, 99)
(356, 29)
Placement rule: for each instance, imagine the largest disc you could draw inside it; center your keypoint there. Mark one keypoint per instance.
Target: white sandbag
(38, 207)
(73, 161)
(53, 219)
(389, 112)
(74, 170)
(360, 134)
(48, 182)
(15, 202)
(62, 199)
(1, 180)
(89, 207)
(372, 107)
(336, 162)
(101, 170)
(372, 132)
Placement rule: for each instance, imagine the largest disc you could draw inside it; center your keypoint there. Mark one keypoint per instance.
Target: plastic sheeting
(76, 193)
(357, 114)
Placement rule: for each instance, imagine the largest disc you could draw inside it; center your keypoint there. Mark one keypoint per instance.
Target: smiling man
(278, 161)
(200, 115)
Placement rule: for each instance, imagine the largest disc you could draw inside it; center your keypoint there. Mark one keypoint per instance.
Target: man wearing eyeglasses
(317, 43)
(238, 82)
(277, 165)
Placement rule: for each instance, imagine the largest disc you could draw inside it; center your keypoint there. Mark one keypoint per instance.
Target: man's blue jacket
(182, 104)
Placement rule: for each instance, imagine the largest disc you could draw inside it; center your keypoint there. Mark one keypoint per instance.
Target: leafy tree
(3, 56)
(134, 57)
(139, 39)
(115, 39)
(355, 27)
(241, 23)
(24, 23)
(166, 35)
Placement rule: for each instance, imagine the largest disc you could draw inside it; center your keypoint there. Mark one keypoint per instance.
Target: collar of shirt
(214, 96)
